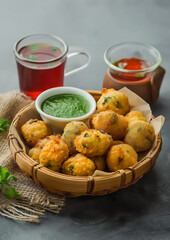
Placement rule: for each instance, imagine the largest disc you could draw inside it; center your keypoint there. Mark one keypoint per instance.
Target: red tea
(132, 64)
(35, 76)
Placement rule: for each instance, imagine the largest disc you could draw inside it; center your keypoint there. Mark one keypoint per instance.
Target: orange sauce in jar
(132, 64)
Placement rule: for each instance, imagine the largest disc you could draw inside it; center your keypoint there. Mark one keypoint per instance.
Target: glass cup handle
(77, 59)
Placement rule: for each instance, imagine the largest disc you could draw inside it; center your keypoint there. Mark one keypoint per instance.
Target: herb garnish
(106, 99)
(71, 169)
(5, 175)
(4, 124)
(5, 186)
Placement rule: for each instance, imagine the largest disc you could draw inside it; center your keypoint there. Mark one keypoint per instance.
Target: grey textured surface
(141, 211)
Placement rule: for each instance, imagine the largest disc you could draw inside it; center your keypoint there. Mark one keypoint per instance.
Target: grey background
(141, 211)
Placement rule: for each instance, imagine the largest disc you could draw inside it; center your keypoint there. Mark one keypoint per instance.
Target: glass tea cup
(41, 62)
(135, 66)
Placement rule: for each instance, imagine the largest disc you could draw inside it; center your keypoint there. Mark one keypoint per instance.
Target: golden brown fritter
(35, 129)
(100, 162)
(121, 156)
(78, 165)
(140, 135)
(53, 154)
(134, 116)
(111, 123)
(113, 100)
(36, 150)
(72, 130)
(93, 142)
(117, 142)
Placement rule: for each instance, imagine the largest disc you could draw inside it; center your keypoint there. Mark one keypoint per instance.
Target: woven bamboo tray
(67, 185)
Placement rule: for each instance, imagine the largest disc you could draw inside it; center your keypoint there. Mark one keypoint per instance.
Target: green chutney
(66, 105)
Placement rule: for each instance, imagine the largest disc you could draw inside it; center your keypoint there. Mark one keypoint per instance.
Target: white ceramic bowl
(56, 123)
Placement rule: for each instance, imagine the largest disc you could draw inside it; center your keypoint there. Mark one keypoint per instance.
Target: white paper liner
(138, 104)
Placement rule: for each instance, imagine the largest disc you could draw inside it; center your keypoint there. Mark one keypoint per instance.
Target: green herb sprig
(4, 124)
(5, 176)
(5, 186)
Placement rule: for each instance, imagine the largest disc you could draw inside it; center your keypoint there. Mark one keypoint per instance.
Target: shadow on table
(122, 206)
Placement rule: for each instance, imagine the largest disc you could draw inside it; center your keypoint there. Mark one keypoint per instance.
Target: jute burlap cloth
(35, 200)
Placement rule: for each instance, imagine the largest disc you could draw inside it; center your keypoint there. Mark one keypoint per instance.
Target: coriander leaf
(139, 75)
(12, 193)
(116, 62)
(4, 173)
(34, 47)
(5, 185)
(106, 99)
(4, 124)
(55, 48)
(32, 57)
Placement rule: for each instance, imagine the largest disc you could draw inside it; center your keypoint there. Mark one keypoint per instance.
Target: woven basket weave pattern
(67, 185)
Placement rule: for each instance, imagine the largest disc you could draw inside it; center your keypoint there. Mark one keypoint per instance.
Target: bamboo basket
(67, 185)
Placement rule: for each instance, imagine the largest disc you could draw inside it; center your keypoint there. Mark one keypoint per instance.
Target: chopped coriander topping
(34, 47)
(106, 99)
(122, 65)
(116, 62)
(49, 165)
(71, 169)
(138, 75)
(32, 57)
(117, 104)
(84, 145)
(54, 48)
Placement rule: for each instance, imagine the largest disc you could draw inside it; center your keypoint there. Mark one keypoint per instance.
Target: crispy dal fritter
(113, 100)
(53, 154)
(93, 142)
(111, 123)
(121, 156)
(35, 129)
(134, 116)
(100, 162)
(72, 130)
(140, 135)
(78, 165)
(34, 152)
(117, 142)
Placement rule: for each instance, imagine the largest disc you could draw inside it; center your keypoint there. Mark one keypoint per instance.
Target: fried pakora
(113, 100)
(72, 130)
(53, 154)
(111, 123)
(100, 162)
(134, 116)
(140, 135)
(121, 156)
(34, 152)
(78, 165)
(35, 129)
(117, 142)
(93, 142)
